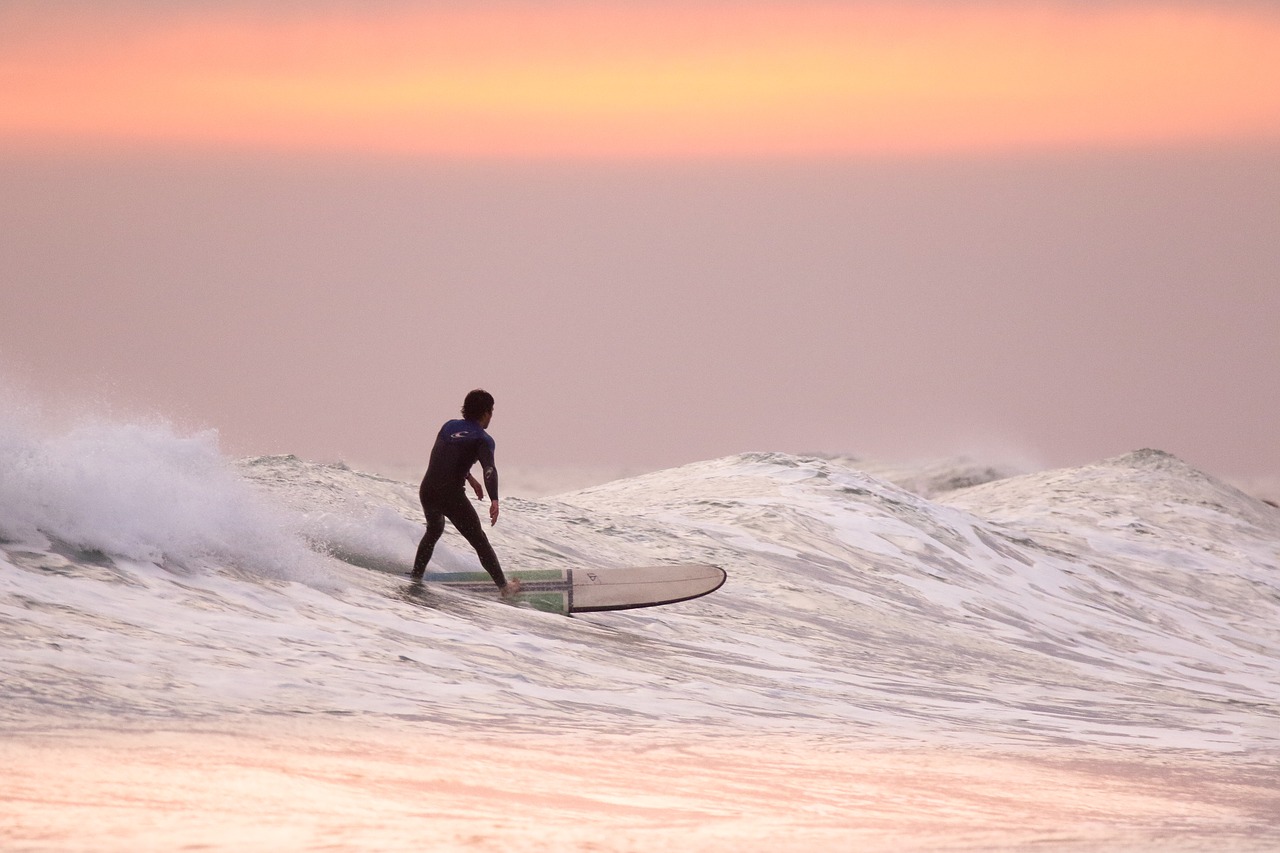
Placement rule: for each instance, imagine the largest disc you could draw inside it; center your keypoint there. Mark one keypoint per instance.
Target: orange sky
(708, 80)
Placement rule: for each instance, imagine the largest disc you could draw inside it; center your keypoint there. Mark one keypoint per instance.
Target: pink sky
(657, 232)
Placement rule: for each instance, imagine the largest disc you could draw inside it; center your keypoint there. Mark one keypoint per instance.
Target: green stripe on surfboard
(549, 590)
(483, 577)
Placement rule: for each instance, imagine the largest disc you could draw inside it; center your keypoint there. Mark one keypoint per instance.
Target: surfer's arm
(490, 470)
(475, 484)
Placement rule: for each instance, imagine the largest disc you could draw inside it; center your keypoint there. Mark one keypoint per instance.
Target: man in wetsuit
(459, 445)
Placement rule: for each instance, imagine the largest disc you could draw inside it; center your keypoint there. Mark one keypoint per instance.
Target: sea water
(196, 653)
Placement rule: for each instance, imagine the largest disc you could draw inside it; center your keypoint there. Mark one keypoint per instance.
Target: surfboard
(593, 590)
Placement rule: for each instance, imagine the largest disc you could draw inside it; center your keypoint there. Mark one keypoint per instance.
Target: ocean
(944, 656)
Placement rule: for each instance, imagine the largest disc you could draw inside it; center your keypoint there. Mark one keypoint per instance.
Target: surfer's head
(478, 404)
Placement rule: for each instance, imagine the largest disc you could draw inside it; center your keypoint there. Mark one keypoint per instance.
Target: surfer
(459, 445)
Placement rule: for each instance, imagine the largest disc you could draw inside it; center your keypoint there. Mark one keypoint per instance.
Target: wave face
(1131, 603)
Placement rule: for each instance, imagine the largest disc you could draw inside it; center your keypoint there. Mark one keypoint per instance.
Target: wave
(1132, 602)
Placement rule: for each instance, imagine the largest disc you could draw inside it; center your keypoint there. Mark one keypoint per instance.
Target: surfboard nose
(597, 590)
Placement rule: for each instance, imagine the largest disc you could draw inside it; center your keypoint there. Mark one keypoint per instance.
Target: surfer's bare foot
(512, 587)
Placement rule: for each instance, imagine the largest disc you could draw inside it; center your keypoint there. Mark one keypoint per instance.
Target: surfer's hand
(475, 484)
(493, 513)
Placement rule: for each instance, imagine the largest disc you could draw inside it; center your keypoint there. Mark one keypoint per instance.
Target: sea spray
(142, 492)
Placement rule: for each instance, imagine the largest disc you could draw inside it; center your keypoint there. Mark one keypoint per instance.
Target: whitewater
(222, 653)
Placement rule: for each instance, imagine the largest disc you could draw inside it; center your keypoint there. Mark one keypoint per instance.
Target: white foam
(850, 603)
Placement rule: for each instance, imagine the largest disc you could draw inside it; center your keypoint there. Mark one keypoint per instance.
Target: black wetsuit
(459, 445)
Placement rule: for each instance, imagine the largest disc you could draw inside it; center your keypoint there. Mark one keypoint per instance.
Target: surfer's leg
(463, 515)
(435, 527)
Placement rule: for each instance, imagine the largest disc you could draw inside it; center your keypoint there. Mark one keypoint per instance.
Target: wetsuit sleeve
(485, 458)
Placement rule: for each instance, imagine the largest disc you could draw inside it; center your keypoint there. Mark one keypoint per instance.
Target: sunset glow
(565, 80)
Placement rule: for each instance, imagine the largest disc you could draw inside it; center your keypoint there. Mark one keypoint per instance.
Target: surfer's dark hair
(478, 404)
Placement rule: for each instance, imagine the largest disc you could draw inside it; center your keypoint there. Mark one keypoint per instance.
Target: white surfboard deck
(594, 590)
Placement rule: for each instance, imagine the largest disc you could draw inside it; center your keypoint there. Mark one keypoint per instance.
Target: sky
(658, 232)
